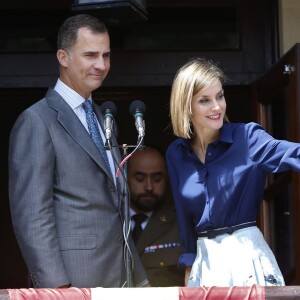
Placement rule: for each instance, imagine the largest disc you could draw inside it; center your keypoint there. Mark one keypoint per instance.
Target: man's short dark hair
(67, 34)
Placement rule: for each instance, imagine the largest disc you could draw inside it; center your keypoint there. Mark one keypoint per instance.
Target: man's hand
(64, 286)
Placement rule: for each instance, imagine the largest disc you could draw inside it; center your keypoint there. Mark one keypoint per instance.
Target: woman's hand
(187, 275)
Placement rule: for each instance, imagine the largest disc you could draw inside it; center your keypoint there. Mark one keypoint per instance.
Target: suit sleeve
(31, 175)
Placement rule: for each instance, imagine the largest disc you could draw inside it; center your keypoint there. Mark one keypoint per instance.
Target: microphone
(137, 109)
(108, 109)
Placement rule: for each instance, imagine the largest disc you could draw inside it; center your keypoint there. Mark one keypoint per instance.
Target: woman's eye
(203, 100)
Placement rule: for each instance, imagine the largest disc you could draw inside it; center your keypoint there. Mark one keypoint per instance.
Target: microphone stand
(127, 230)
(127, 253)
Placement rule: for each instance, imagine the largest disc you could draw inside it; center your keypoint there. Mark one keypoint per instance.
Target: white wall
(289, 24)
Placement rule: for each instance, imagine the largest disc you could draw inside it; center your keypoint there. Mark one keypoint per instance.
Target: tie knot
(139, 218)
(87, 106)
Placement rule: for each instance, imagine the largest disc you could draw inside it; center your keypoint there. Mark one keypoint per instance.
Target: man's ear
(62, 57)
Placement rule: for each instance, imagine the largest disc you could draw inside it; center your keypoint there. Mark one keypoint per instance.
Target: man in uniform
(153, 220)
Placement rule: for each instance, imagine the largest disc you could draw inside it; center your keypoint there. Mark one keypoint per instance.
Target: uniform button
(121, 240)
(163, 218)
(162, 264)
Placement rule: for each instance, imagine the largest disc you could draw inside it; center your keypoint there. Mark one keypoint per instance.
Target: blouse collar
(226, 136)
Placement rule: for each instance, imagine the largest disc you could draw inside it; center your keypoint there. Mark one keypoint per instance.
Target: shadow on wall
(13, 273)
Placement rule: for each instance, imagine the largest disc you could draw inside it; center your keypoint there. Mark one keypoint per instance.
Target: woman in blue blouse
(217, 173)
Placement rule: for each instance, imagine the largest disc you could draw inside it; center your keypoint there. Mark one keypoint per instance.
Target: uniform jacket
(65, 207)
(159, 248)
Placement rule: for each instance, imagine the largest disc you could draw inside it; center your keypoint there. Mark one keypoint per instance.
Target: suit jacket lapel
(68, 119)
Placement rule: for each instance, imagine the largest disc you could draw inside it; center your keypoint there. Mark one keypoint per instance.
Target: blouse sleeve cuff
(186, 260)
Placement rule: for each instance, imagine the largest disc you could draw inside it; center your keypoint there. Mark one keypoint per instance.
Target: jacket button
(121, 240)
(112, 188)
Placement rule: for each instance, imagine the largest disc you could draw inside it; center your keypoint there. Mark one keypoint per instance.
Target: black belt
(212, 233)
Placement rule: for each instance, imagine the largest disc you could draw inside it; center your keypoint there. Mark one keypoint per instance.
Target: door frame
(283, 75)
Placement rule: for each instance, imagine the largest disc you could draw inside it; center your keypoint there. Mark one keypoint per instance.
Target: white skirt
(242, 258)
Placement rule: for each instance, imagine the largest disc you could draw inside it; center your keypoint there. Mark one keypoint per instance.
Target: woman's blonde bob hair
(191, 78)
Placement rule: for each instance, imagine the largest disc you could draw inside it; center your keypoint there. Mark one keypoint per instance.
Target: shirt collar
(226, 133)
(69, 95)
(132, 213)
(225, 136)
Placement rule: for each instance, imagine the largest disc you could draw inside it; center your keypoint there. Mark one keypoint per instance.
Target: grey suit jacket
(65, 207)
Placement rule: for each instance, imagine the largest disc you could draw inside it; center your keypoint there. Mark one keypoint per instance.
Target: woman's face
(209, 107)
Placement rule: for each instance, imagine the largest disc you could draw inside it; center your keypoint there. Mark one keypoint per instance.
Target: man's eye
(139, 178)
(157, 178)
(91, 54)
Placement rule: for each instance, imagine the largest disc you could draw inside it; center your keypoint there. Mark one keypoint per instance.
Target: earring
(190, 129)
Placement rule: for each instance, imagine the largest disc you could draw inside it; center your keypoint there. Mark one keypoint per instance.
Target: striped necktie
(94, 131)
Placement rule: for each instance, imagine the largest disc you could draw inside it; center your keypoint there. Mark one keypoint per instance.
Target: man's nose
(149, 184)
(100, 63)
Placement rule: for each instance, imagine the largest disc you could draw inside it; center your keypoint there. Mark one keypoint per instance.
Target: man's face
(146, 179)
(87, 63)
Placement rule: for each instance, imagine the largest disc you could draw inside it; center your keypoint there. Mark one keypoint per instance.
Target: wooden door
(277, 106)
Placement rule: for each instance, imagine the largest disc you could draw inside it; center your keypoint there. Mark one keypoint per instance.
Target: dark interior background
(241, 35)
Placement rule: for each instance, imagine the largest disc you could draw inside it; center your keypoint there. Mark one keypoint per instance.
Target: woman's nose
(216, 105)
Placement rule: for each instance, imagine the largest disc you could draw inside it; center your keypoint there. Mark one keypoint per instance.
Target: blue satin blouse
(227, 190)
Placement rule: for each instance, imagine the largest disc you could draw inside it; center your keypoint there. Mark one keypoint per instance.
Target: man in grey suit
(157, 240)
(66, 206)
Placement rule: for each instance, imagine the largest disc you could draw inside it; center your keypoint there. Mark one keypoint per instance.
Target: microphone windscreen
(137, 104)
(108, 105)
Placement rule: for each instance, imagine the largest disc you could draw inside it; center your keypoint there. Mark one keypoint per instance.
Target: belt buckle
(211, 234)
(230, 230)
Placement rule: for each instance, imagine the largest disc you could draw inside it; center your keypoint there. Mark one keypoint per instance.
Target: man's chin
(146, 199)
(148, 204)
